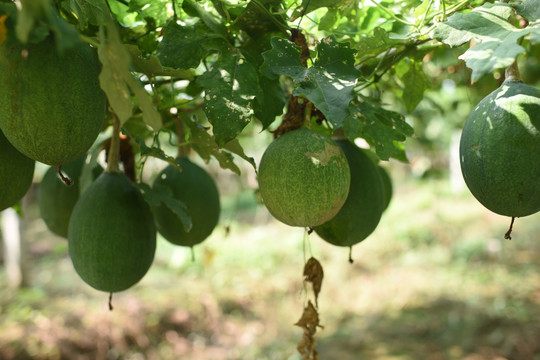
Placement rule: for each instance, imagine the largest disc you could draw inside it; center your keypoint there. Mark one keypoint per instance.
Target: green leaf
(154, 9)
(194, 9)
(490, 55)
(261, 18)
(373, 45)
(308, 6)
(117, 81)
(416, 82)
(328, 84)
(328, 21)
(88, 12)
(271, 103)
(384, 130)
(161, 195)
(152, 151)
(283, 59)
(529, 9)
(37, 18)
(151, 66)
(183, 47)
(230, 90)
(234, 147)
(205, 145)
(486, 24)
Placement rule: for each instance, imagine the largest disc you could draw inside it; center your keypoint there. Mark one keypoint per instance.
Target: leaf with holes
(384, 130)
(328, 84)
(231, 87)
(498, 39)
(205, 145)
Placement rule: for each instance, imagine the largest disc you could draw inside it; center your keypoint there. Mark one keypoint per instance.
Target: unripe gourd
(111, 234)
(51, 105)
(362, 211)
(56, 200)
(16, 173)
(304, 178)
(197, 190)
(499, 150)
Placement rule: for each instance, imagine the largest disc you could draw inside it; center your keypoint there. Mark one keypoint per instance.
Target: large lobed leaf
(498, 38)
(328, 84)
(183, 47)
(383, 129)
(230, 90)
(205, 145)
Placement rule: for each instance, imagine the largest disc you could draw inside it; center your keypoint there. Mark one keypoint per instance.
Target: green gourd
(499, 150)
(197, 190)
(304, 178)
(362, 211)
(56, 199)
(51, 105)
(16, 174)
(111, 234)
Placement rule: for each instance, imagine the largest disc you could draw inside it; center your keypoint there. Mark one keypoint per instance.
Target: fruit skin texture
(16, 173)
(51, 107)
(499, 150)
(362, 211)
(304, 178)
(197, 190)
(111, 234)
(56, 200)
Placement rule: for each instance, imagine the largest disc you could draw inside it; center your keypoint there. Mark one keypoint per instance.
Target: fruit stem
(183, 150)
(114, 150)
(350, 255)
(512, 73)
(110, 302)
(64, 178)
(509, 232)
(339, 134)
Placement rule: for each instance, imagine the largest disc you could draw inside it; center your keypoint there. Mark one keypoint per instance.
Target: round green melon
(304, 178)
(16, 174)
(362, 211)
(197, 190)
(51, 106)
(499, 150)
(111, 234)
(387, 186)
(56, 200)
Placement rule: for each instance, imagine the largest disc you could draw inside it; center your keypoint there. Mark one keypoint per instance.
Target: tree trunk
(13, 254)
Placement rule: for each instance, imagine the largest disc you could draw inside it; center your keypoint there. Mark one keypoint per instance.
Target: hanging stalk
(512, 73)
(114, 151)
(183, 150)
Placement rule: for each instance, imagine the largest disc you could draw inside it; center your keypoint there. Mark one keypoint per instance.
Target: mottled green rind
(56, 200)
(304, 178)
(387, 186)
(499, 150)
(197, 190)
(111, 234)
(362, 211)
(16, 173)
(51, 107)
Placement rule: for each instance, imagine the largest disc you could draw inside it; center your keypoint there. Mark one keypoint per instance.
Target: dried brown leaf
(313, 273)
(309, 321)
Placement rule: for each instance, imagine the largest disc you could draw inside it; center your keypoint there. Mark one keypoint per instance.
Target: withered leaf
(313, 273)
(309, 321)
